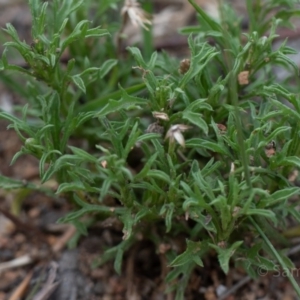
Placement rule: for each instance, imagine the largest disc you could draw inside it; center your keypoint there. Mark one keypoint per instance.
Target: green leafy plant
(216, 157)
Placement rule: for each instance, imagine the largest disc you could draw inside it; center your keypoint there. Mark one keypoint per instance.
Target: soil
(48, 268)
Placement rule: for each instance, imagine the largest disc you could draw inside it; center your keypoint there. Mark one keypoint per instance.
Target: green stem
(277, 256)
(225, 43)
(147, 34)
(233, 96)
(234, 100)
(294, 148)
(251, 15)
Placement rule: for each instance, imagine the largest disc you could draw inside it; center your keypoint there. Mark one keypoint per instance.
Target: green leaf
(197, 260)
(159, 175)
(83, 154)
(176, 272)
(79, 201)
(81, 31)
(198, 105)
(131, 140)
(96, 32)
(152, 61)
(81, 228)
(213, 33)
(96, 104)
(199, 61)
(72, 186)
(181, 259)
(128, 222)
(107, 66)
(192, 253)
(143, 212)
(196, 119)
(79, 82)
(22, 47)
(195, 142)
(147, 186)
(190, 29)
(7, 183)
(290, 160)
(283, 195)
(106, 184)
(287, 261)
(146, 168)
(148, 136)
(287, 110)
(137, 56)
(44, 159)
(65, 8)
(90, 209)
(76, 186)
(276, 132)
(212, 23)
(118, 261)
(167, 211)
(265, 264)
(261, 212)
(224, 255)
(125, 102)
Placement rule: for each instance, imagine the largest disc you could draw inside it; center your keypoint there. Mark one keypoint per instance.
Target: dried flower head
(293, 176)
(175, 133)
(232, 168)
(222, 128)
(187, 215)
(155, 128)
(184, 66)
(243, 78)
(270, 149)
(160, 115)
(136, 14)
(236, 210)
(163, 248)
(207, 220)
(222, 244)
(104, 164)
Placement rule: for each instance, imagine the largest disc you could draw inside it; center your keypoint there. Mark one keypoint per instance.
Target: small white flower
(175, 133)
(136, 14)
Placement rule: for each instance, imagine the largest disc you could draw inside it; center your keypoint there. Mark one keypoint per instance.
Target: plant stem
(147, 34)
(277, 256)
(233, 96)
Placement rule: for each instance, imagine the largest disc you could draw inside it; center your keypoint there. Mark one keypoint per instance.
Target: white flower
(175, 133)
(136, 14)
